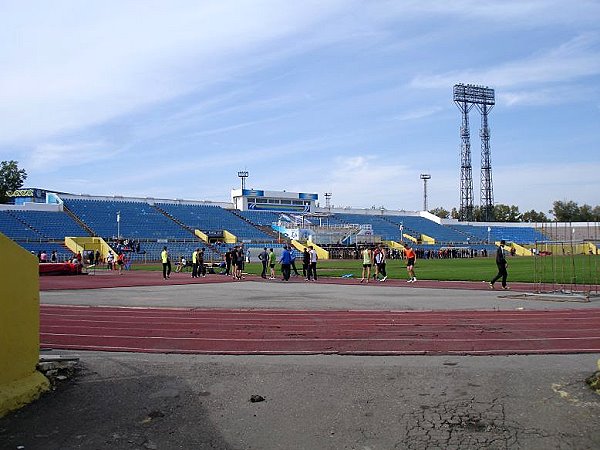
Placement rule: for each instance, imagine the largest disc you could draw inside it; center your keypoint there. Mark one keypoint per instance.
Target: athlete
(367, 262)
(380, 261)
(410, 263)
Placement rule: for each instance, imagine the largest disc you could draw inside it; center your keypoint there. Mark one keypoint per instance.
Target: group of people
(43, 256)
(115, 262)
(288, 263)
(371, 256)
(377, 256)
(234, 262)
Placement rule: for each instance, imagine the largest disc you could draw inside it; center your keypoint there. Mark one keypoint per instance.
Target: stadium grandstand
(53, 221)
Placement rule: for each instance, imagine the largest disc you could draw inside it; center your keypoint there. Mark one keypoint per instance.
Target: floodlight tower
(425, 177)
(466, 170)
(466, 96)
(487, 188)
(328, 200)
(243, 174)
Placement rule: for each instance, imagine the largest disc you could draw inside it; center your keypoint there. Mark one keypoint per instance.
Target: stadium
(68, 223)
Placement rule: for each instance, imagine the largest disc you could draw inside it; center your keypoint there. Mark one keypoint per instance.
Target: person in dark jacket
(502, 265)
(264, 259)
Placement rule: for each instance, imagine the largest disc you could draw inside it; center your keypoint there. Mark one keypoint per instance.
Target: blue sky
(172, 98)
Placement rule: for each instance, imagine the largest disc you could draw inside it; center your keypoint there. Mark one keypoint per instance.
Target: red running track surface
(112, 279)
(273, 332)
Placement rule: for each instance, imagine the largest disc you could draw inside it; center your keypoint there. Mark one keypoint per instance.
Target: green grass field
(581, 269)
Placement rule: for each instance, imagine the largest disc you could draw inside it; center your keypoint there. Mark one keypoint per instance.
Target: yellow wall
(203, 237)
(20, 383)
(394, 244)
(321, 252)
(409, 237)
(229, 238)
(520, 250)
(427, 239)
(79, 244)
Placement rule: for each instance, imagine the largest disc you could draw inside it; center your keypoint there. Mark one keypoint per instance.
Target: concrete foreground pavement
(144, 401)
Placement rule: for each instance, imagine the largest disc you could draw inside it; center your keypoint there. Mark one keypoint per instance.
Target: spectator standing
(264, 259)
(294, 255)
(306, 263)
(53, 257)
(97, 258)
(201, 266)
(239, 267)
(195, 263)
(502, 264)
(272, 260)
(166, 263)
(286, 263)
(313, 263)
(367, 262)
(228, 259)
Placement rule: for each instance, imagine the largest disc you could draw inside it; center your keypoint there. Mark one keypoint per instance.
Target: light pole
(243, 174)
(328, 200)
(425, 177)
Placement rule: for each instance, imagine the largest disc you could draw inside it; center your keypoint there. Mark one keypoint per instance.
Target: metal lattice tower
(487, 188)
(466, 171)
(465, 97)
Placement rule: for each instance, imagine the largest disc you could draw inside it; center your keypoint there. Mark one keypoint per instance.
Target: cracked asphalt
(158, 401)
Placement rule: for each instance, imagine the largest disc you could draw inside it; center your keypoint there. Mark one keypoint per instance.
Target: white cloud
(570, 61)
(74, 66)
(49, 157)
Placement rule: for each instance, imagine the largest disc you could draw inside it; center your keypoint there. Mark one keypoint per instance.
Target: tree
(586, 214)
(440, 212)
(11, 178)
(534, 216)
(565, 211)
(505, 213)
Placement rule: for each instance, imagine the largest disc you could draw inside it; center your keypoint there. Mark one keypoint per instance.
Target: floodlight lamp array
(471, 93)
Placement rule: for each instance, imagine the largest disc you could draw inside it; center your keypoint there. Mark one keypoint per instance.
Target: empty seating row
(421, 225)
(209, 218)
(521, 235)
(381, 227)
(137, 220)
(52, 225)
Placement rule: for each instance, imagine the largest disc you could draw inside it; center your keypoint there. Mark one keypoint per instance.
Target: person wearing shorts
(380, 262)
(367, 262)
(410, 263)
(272, 259)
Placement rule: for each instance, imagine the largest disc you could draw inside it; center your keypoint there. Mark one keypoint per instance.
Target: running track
(272, 332)
(275, 332)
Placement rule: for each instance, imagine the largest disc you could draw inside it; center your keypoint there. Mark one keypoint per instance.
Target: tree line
(562, 211)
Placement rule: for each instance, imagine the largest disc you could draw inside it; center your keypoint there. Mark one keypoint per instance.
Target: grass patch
(581, 269)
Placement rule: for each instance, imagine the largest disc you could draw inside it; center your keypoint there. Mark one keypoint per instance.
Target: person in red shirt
(410, 263)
